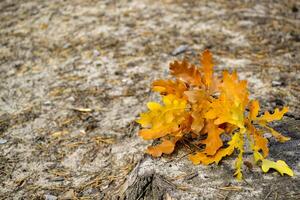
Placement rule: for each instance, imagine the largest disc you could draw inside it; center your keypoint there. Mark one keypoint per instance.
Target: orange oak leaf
(165, 87)
(213, 141)
(166, 147)
(234, 89)
(200, 105)
(259, 142)
(201, 157)
(232, 102)
(254, 109)
(186, 72)
(207, 67)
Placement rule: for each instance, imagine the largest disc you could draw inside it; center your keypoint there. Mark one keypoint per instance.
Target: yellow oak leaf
(223, 110)
(231, 104)
(266, 164)
(262, 121)
(166, 87)
(239, 159)
(277, 115)
(279, 166)
(257, 156)
(276, 134)
(186, 72)
(161, 120)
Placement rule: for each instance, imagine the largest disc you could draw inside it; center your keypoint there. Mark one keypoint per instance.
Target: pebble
(96, 53)
(179, 50)
(50, 197)
(47, 103)
(3, 141)
(276, 83)
(68, 195)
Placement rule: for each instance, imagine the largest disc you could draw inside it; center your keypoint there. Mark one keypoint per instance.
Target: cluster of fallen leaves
(211, 113)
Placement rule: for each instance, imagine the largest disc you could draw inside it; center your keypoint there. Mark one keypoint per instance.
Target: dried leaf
(198, 104)
(201, 157)
(165, 87)
(162, 119)
(254, 109)
(261, 143)
(59, 133)
(166, 147)
(223, 110)
(277, 115)
(280, 166)
(239, 159)
(83, 109)
(213, 141)
(186, 72)
(235, 90)
(207, 67)
(277, 135)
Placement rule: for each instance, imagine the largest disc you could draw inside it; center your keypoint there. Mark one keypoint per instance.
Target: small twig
(268, 194)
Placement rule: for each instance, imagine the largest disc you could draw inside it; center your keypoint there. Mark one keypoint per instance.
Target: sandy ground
(74, 75)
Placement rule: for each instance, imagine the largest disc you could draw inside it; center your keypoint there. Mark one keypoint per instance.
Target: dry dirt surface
(75, 74)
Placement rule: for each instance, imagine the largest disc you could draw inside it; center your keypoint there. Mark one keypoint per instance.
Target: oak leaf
(162, 119)
(166, 147)
(223, 110)
(234, 89)
(267, 117)
(207, 67)
(279, 166)
(186, 72)
(200, 104)
(213, 142)
(201, 157)
(277, 115)
(165, 87)
(198, 108)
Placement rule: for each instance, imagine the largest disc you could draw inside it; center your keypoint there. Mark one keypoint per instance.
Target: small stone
(87, 62)
(3, 141)
(71, 98)
(68, 195)
(50, 197)
(96, 53)
(67, 45)
(98, 63)
(276, 83)
(47, 103)
(179, 50)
